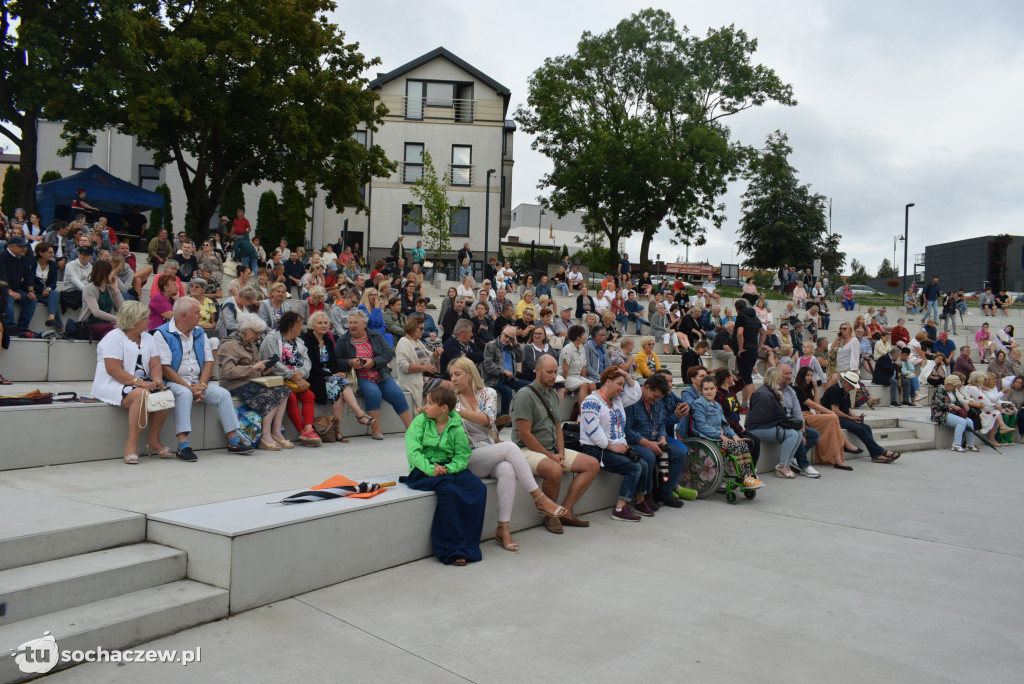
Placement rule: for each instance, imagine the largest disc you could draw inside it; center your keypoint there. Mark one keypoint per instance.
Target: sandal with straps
(5, 381)
(370, 420)
(558, 512)
(509, 545)
(338, 437)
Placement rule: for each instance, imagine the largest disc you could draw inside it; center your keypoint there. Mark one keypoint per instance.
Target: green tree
(435, 217)
(633, 126)
(241, 91)
(832, 260)
(783, 222)
(295, 213)
(232, 201)
(48, 50)
(11, 190)
(859, 275)
(162, 218)
(886, 270)
(268, 219)
(50, 175)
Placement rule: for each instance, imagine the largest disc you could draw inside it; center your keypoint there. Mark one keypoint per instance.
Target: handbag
(326, 427)
(159, 401)
(250, 423)
(292, 385)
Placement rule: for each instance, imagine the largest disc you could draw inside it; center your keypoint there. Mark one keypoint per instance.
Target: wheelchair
(706, 471)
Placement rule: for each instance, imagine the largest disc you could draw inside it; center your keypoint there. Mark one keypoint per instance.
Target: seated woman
(573, 364)
(833, 442)
(438, 451)
(370, 305)
(482, 331)
(603, 436)
(369, 354)
(413, 359)
(608, 321)
(293, 364)
(938, 375)
(394, 319)
(534, 348)
(647, 359)
(671, 341)
(750, 291)
(846, 296)
(799, 296)
(465, 270)
(624, 358)
(948, 403)
(763, 313)
(45, 272)
(317, 302)
(998, 366)
(882, 346)
(987, 399)
(126, 368)
(161, 302)
(983, 340)
(326, 378)
(170, 268)
(239, 363)
(466, 289)
(478, 406)
(409, 296)
(709, 422)
(274, 308)
(431, 335)
(101, 300)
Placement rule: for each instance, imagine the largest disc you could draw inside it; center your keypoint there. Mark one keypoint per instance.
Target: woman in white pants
(504, 461)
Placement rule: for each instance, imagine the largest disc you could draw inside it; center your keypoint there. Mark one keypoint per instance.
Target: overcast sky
(898, 101)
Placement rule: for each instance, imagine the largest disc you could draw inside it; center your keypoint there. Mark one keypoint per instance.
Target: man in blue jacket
(18, 272)
(931, 294)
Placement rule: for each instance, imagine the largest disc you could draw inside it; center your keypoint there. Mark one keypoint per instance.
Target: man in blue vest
(187, 361)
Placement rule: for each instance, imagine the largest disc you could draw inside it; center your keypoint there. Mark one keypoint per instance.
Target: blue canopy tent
(111, 195)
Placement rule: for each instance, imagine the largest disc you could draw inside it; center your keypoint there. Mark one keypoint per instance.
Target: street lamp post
(895, 239)
(487, 219)
(906, 236)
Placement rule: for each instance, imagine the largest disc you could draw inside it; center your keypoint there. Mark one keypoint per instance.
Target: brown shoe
(574, 521)
(554, 525)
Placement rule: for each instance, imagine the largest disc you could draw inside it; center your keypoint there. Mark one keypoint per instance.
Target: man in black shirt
(749, 337)
(837, 399)
(460, 344)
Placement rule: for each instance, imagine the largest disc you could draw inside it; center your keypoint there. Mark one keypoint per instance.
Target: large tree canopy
(238, 91)
(783, 222)
(633, 125)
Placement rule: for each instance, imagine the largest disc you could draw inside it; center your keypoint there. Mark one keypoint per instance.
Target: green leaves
(436, 216)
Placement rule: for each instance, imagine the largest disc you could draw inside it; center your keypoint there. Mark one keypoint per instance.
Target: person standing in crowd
(159, 249)
(240, 225)
(749, 338)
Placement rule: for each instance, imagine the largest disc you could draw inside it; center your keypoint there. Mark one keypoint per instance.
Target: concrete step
(117, 623)
(56, 585)
(906, 445)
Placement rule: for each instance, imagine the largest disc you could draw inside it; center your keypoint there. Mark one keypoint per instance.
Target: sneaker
(752, 483)
(310, 438)
(794, 467)
(625, 514)
(672, 502)
(684, 493)
(187, 455)
(809, 471)
(244, 447)
(643, 509)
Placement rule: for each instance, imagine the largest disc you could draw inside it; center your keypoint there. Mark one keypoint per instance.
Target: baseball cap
(17, 241)
(943, 336)
(565, 308)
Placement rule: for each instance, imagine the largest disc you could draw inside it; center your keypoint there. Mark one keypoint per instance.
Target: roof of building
(454, 59)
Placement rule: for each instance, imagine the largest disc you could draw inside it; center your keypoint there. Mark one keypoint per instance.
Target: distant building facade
(548, 230)
(973, 262)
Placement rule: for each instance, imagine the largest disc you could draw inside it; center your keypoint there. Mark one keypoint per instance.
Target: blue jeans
(933, 309)
(677, 453)
(251, 262)
(636, 475)
(53, 307)
(562, 287)
(215, 395)
(634, 318)
(960, 426)
(863, 432)
(505, 390)
(28, 308)
(791, 440)
(388, 390)
(801, 450)
(825, 320)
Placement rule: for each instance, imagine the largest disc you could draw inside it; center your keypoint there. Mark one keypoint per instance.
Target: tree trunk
(28, 162)
(645, 248)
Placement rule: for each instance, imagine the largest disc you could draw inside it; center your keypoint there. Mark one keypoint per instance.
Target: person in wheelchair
(709, 422)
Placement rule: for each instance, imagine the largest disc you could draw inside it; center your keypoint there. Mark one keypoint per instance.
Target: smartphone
(273, 360)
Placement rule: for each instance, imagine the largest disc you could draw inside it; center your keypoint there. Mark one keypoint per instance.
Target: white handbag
(159, 401)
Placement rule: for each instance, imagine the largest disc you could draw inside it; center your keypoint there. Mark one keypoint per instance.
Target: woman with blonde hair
(370, 305)
(647, 359)
(504, 461)
(275, 306)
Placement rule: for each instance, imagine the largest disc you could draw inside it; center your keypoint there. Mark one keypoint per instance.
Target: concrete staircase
(91, 580)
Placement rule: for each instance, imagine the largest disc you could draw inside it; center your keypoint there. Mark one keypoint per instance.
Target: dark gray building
(975, 262)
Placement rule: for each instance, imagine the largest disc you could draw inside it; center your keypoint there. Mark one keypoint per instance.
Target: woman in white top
(504, 461)
(466, 288)
(126, 366)
(34, 229)
(573, 363)
(412, 359)
(602, 301)
(272, 309)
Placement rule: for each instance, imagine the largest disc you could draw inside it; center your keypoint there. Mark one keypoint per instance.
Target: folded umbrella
(337, 487)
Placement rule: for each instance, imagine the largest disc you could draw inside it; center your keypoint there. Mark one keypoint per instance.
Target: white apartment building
(528, 225)
(436, 102)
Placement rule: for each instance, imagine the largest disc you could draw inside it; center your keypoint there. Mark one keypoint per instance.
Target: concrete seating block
(25, 361)
(71, 361)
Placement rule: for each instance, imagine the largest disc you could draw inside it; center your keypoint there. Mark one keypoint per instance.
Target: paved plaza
(908, 572)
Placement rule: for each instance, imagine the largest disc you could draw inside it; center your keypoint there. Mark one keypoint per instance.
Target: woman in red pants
(287, 349)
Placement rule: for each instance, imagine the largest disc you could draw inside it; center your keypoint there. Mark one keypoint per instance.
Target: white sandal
(131, 459)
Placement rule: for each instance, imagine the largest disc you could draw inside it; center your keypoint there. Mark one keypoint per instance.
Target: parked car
(858, 290)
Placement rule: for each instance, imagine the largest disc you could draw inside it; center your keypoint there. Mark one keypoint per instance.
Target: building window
(412, 167)
(82, 158)
(149, 177)
(410, 219)
(462, 165)
(440, 93)
(414, 99)
(460, 222)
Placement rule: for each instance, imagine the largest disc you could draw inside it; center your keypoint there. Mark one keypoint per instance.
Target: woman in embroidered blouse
(504, 461)
(799, 295)
(274, 308)
(603, 436)
(293, 365)
(326, 379)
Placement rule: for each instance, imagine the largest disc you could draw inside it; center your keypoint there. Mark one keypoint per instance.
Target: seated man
(721, 347)
(887, 372)
(500, 359)
(866, 353)
(460, 344)
(837, 399)
(987, 302)
(187, 361)
(645, 432)
(575, 278)
(537, 431)
(633, 313)
(18, 271)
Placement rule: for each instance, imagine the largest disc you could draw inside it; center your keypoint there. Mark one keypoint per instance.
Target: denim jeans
(251, 263)
(215, 396)
(53, 307)
(505, 390)
(636, 475)
(960, 426)
(562, 287)
(863, 432)
(634, 318)
(933, 309)
(791, 439)
(28, 308)
(677, 453)
(825, 320)
(388, 390)
(812, 437)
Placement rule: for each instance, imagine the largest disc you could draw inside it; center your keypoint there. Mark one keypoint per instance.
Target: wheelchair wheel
(730, 496)
(750, 493)
(703, 471)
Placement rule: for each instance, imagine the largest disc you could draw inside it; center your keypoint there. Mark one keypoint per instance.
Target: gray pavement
(894, 573)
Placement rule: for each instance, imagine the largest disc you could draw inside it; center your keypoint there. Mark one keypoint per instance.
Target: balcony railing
(461, 175)
(452, 110)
